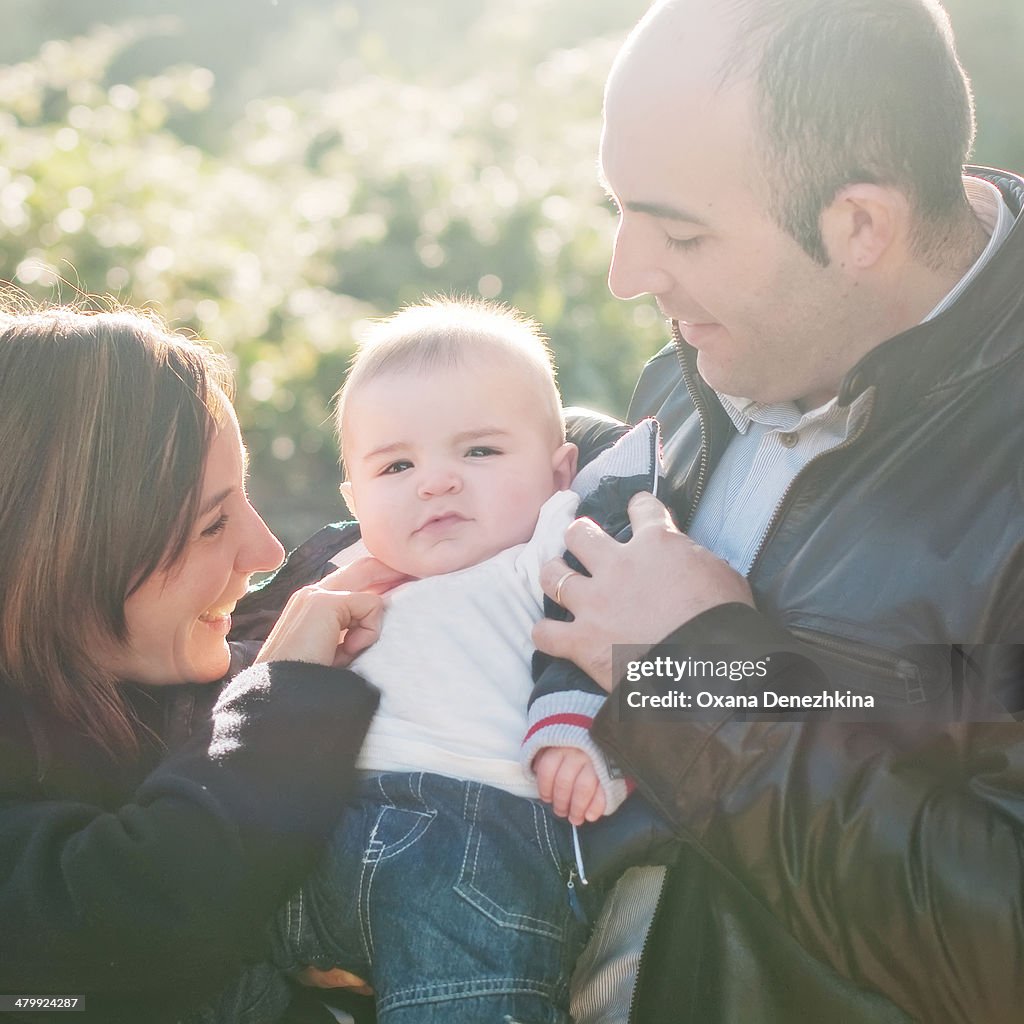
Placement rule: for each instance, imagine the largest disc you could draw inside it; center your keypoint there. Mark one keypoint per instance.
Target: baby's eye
(480, 451)
(396, 467)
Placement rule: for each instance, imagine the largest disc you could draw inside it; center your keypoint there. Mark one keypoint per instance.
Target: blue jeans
(449, 897)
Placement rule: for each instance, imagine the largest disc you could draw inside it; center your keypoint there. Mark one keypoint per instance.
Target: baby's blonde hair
(440, 333)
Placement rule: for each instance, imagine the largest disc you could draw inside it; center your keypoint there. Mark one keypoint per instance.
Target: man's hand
(566, 779)
(638, 592)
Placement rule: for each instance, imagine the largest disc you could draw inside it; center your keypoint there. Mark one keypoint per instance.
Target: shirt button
(788, 438)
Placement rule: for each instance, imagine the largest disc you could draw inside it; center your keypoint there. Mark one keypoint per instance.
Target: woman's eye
(396, 467)
(481, 451)
(215, 527)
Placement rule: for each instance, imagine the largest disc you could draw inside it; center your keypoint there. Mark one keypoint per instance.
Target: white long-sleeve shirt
(453, 664)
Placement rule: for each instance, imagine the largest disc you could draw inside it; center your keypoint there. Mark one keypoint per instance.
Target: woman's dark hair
(106, 419)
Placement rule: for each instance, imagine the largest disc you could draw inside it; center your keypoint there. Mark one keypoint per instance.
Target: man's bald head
(841, 91)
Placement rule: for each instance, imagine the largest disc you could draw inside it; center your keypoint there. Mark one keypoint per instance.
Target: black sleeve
(891, 850)
(592, 432)
(169, 892)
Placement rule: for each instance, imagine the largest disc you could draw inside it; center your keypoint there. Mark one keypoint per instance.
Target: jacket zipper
(630, 1015)
(889, 666)
(703, 418)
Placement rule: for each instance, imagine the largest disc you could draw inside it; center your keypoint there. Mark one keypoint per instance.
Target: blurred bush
(273, 175)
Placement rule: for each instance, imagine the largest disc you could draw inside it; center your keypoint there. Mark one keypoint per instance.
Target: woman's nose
(259, 550)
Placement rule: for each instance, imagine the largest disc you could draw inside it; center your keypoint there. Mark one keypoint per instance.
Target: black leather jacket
(860, 872)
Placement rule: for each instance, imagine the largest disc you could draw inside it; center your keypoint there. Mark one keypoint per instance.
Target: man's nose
(635, 268)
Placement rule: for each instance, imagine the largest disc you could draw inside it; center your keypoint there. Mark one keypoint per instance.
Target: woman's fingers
(368, 573)
(313, 627)
(334, 978)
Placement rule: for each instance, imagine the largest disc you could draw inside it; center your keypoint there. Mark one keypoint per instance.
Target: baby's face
(448, 467)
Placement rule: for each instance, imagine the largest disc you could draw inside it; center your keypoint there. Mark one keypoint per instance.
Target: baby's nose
(439, 480)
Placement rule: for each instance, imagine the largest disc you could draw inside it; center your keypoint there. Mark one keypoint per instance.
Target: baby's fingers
(584, 789)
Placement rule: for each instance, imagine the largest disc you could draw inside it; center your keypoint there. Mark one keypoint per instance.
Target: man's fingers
(561, 640)
(589, 543)
(554, 638)
(557, 579)
(646, 511)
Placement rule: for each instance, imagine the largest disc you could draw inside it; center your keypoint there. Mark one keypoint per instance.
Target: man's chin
(717, 376)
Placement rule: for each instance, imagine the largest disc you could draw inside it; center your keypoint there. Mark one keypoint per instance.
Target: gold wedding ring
(561, 583)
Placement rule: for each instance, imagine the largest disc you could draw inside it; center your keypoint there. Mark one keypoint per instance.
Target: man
(841, 411)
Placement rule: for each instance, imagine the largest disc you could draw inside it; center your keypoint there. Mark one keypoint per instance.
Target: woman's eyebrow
(209, 506)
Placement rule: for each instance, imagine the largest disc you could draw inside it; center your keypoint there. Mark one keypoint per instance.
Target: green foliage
(271, 175)
(321, 209)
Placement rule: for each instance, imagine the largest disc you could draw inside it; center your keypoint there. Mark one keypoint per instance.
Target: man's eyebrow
(666, 212)
(663, 210)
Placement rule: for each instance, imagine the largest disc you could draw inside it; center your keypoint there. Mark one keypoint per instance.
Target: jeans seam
(413, 995)
(365, 884)
(468, 889)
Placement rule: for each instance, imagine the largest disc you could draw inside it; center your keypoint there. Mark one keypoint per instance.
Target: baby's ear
(563, 463)
(346, 493)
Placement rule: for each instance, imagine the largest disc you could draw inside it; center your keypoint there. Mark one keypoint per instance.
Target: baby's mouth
(441, 521)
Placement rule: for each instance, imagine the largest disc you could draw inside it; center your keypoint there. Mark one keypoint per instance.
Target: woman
(146, 834)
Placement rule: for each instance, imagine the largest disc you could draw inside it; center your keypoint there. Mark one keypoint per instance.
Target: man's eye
(682, 243)
(480, 451)
(215, 527)
(396, 467)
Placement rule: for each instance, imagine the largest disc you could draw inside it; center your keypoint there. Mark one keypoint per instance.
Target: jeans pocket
(511, 868)
(395, 831)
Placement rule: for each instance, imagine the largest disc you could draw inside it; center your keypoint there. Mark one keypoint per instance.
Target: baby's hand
(566, 779)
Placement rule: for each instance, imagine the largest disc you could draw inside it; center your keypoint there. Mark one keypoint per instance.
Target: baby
(448, 885)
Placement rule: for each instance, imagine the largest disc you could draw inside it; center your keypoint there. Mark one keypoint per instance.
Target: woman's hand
(332, 621)
(334, 978)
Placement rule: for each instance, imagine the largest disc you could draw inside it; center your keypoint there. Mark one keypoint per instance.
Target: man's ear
(346, 493)
(563, 464)
(863, 223)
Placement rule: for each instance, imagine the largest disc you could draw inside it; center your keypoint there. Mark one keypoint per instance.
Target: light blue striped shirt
(774, 442)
